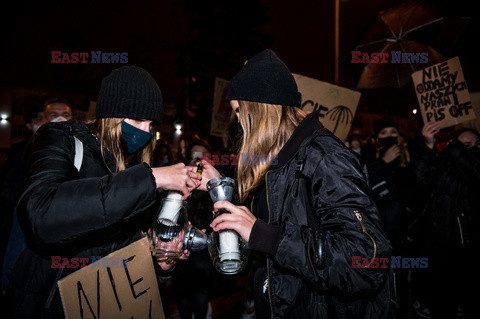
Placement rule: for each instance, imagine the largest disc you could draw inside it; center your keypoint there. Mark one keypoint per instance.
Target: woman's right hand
(177, 177)
(209, 172)
(391, 154)
(238, 218)
(428, 131)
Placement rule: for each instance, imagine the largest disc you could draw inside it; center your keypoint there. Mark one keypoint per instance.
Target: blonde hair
(266, 129)
(109, 134)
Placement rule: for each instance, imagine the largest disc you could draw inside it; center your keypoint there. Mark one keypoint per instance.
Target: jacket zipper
(268, 268)
(364, 230)
(461, 230)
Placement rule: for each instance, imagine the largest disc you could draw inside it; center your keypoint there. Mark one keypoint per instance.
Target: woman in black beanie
(310, 214)
(90, 189)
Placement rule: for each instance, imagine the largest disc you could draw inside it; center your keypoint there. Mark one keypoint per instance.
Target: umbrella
(410, 29)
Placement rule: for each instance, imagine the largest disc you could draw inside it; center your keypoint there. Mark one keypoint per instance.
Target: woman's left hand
(166, 263)
(238, 218)
(176, 245)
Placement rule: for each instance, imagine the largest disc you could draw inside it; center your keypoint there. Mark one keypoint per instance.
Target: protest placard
(442, 94)
(337, 105)
(107, 289)
(221, 109)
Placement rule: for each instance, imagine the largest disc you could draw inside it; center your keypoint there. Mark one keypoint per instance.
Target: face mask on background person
(389, 141)
(135, 139)
(59, 119)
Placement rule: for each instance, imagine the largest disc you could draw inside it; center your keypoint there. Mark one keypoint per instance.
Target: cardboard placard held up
(128, 291)
(442, 94)
(337, 105)
(221, 109)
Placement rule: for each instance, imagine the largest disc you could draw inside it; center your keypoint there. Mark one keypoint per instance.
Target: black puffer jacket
(70, 213)
(311, 274)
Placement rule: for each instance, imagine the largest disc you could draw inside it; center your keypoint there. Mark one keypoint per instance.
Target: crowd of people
(306, 217)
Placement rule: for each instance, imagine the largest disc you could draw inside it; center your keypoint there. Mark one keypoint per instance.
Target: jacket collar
(305, 129)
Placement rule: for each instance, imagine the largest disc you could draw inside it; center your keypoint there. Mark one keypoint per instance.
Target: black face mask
(387, 142)
(474, 152)
(239, 131)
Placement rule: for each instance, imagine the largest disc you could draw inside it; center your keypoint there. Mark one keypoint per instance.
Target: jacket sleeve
(424, 163)
(58, 208)
(323, 253)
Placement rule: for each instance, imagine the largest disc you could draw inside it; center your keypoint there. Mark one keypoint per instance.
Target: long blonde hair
(266, 129)
(109, 134)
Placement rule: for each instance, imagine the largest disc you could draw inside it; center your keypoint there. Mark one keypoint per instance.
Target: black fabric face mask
(474, 152)
(387, 142)
(239, 131)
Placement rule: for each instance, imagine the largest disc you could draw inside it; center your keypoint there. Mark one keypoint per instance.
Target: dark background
(186, 44)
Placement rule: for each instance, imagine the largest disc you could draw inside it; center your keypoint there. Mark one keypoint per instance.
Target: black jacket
(394, 191)
(452, 214)
(70, 213)
(311, 274)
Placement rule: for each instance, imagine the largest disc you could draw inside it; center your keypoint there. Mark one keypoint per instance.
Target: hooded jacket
(318, 195)
(70, 213)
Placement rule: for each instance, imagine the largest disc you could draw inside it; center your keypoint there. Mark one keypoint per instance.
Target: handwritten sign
(442, 93)
(337, 105)
(221, 109)
(114, 292)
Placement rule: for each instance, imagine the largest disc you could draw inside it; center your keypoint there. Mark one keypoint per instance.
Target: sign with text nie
(114, 292)
(442, 93)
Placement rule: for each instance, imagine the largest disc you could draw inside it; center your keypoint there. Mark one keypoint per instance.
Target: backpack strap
(78, 153)
(77, 161)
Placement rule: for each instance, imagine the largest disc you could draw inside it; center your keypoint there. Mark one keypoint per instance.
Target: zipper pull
(364, 230)
(359, 217)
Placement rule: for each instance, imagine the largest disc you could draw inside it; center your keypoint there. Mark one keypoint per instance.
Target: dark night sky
(154, 33)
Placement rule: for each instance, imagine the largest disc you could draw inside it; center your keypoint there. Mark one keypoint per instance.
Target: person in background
(99, 204)
(355, 144)
(57, 110)
(197, 273)
(309, 213)
(162, 154)
(181, 154)
(9, 194)
(448, 230)
(392, 179)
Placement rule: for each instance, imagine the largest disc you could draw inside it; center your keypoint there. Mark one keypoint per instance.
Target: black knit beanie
(265, 78)
(382, 123)
(130, 92)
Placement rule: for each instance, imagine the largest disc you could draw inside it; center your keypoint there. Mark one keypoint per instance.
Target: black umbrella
(413, 29)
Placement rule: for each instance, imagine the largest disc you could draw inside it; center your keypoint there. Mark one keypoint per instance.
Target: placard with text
(126, 291)
(442, 94)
